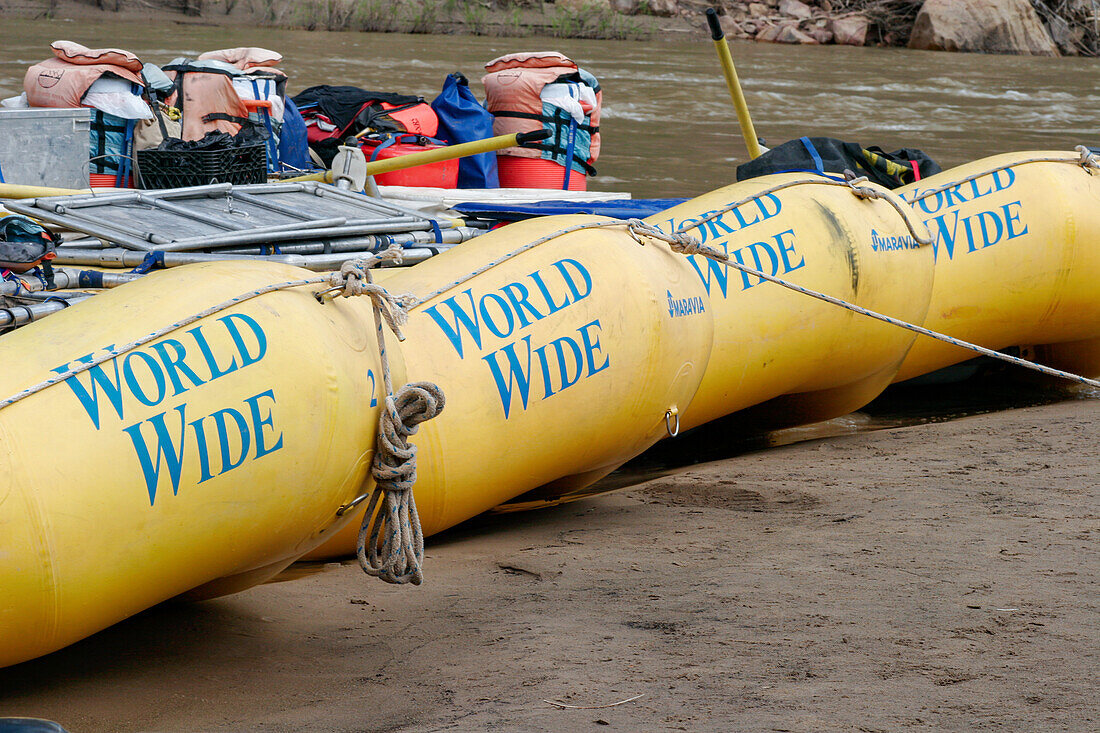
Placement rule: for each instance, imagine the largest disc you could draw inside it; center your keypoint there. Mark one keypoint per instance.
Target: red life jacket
(513, 89)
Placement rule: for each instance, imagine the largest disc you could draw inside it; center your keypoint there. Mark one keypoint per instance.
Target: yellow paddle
(723, 48)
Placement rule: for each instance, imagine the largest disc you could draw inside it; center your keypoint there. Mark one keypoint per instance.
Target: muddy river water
(668, 125)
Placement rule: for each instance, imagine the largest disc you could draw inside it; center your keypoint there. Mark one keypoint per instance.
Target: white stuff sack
(113, 96)
(19, 102)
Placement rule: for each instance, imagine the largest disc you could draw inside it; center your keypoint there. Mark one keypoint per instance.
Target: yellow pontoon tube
(210, 457)
(1017, 243)
(807, 359)
(767, 341)
(220, 449)
(565, 361)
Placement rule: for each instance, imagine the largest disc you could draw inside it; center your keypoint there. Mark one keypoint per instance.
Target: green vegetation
(594, 20)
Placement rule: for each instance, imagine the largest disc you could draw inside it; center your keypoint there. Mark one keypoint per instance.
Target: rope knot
(350, 278)
(1088, 159)
(354, 279)
(864, 193)
(391, 542)
(681, 242)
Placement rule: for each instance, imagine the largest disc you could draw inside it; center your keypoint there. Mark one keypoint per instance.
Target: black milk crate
(180, 168)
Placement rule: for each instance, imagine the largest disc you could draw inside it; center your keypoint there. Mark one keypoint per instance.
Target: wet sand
(941, 577)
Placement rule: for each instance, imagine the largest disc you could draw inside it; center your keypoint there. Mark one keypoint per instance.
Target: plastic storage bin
(181, 168)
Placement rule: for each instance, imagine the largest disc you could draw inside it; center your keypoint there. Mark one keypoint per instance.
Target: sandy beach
(941, 577)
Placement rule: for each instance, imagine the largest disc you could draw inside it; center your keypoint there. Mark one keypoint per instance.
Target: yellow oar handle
(17, 191)
(448, 152)
(738, 97)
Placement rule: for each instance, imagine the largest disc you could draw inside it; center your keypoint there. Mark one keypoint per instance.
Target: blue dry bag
(293, 145)
(463, 119)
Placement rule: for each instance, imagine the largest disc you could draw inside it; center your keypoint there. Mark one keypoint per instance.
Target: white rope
(861, 192)
(649, 230)
(354, 279)
(1086, 159)
(724, 259)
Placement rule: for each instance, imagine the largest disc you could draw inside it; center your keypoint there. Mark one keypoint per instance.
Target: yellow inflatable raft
(767, 341)
(1017, 245)
(205, 460)
(214, 420)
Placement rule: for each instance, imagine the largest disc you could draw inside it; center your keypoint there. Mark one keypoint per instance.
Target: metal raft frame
(250, 219)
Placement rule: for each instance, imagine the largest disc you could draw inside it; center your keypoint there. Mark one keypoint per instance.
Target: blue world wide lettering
(163, 438)
(170, 368)
(774, 256)
(980, 230)
(742, 217)
(561, 363)
(176, 364)
(517, 305)
(962, 193)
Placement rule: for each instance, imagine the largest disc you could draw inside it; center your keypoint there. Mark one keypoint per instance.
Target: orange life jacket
(205, 94)
(245, 57)
(513, 89)
(63, 80)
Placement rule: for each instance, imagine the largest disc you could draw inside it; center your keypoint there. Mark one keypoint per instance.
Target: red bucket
(443, 174)
(517, 172)
(106, 180)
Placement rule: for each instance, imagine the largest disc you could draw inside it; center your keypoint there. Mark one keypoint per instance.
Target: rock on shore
(986, 26)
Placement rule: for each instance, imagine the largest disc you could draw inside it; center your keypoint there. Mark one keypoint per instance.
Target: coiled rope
(390, 545)
(398, 558)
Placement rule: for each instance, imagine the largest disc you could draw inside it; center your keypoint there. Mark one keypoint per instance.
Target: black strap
(47, 275)
(160, 120)
(242, 121)
(154, 103)
(186, 68)
(372, 112)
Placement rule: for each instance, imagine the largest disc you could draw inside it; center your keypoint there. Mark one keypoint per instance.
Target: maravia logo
(50, 77)
(679, 307)
(889, 244)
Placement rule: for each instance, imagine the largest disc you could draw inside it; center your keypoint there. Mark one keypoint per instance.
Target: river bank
(1036, 27)
(940, 577)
